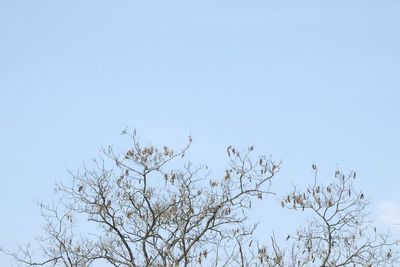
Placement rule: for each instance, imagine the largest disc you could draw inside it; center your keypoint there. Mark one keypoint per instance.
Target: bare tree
(338, 232)
(151, 209)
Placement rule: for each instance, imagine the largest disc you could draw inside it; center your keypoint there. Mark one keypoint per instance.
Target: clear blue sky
(306, 81)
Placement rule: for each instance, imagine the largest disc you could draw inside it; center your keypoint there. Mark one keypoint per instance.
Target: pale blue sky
(306, 81)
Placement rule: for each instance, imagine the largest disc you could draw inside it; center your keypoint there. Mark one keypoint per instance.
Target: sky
(304, 81)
